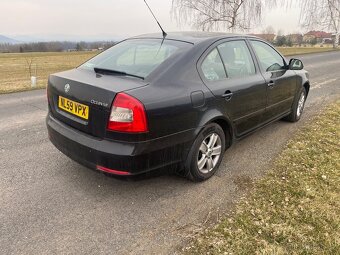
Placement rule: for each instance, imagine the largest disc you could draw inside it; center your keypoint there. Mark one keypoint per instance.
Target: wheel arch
(217, 116)
(226, 127)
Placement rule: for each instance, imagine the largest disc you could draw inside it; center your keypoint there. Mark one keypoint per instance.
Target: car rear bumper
(118, 157)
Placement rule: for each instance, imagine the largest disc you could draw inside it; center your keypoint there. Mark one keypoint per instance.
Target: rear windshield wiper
(110, 71)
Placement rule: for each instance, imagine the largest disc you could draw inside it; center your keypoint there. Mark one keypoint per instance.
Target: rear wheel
(206, 153)
(298, 106)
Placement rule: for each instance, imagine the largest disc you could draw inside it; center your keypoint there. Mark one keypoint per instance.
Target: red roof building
(318, 35)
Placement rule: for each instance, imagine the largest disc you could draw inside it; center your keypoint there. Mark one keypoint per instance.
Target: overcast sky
(106, 18)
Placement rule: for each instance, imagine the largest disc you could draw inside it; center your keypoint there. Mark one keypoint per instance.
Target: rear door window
(237, 59)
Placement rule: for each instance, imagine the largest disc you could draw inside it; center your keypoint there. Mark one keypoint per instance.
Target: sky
(105, 19)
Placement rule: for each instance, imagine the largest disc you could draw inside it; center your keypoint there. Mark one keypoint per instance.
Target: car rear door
(229, 71)
(281, 82)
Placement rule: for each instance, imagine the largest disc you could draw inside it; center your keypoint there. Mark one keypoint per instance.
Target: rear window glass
(136, 56)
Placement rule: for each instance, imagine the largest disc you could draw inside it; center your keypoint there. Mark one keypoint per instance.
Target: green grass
(295, 208)
(14, 70)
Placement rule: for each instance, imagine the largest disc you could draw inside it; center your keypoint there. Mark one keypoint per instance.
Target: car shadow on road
(245, 160)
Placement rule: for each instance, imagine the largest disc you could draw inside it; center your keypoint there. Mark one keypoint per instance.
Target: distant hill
(15, 39)
(27, 38)
(4, 39)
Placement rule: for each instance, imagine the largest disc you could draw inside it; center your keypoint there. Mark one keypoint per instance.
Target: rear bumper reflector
(112, 171)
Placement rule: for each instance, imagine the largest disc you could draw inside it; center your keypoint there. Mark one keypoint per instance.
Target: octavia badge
(67, 88)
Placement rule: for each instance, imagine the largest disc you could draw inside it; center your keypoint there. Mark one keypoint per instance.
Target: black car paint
(179, 102)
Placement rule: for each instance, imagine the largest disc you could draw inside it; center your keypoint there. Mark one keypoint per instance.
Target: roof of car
(192, 37)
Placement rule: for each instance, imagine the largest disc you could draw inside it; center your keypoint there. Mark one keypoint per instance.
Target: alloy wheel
(301, 104)
(209, 153)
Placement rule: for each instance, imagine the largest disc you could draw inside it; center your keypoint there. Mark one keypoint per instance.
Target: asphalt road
(52, 205)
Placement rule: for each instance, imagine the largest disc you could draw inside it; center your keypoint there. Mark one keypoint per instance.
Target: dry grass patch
(14, 69)
(289, 51)
(295, 208)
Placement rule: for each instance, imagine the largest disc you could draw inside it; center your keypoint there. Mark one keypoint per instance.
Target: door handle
(271, 84)
(227, 95)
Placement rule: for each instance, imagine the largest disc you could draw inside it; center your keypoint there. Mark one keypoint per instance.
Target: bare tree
(29, 62)
(217, 14)
(268, 30)
(280, 32)
(241, 14)
(324, 14)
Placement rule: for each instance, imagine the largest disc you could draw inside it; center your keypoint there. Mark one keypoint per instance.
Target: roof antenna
(164, 34)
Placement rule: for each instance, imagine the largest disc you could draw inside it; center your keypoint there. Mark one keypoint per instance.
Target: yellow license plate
(74, 108)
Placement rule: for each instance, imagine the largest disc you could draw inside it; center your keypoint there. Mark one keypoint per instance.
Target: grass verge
(289, 51)
(295, 208)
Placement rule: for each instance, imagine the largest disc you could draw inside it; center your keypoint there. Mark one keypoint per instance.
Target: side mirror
(295, 64)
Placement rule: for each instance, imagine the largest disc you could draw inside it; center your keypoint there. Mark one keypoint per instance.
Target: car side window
(269, 59)
(237, 59)
(212, 67)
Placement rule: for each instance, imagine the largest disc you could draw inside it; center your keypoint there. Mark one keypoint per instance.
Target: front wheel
(298, 106)
(206, 153)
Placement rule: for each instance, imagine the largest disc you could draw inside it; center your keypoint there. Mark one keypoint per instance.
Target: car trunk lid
(86, 89)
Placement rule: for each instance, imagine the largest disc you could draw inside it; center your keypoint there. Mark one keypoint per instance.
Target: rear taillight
(112, 171)
(127, 115)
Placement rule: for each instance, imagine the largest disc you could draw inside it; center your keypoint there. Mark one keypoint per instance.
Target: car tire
(206, 153)
(298, 106)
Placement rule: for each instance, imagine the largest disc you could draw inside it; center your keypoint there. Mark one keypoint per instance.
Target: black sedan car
(176, 102)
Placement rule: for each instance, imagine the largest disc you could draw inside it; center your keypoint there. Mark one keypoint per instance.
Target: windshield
(137, 57)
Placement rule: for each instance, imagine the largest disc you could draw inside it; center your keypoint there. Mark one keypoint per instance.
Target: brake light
(127, 115)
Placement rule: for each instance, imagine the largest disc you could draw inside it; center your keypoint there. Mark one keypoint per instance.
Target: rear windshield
(137, 57)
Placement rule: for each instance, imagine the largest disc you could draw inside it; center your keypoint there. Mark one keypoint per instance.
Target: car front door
(281, 82)
(230, 73)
